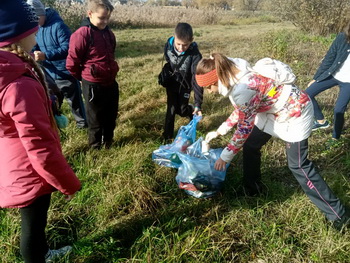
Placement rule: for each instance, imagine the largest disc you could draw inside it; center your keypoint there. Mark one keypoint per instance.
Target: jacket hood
(171, 46)
(11, 67)
(274, 69)
(86, 22)
(244, 68)
(51, 17)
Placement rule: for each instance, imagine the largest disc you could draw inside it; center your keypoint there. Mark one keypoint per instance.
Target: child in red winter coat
(91, 60)
(32, 165)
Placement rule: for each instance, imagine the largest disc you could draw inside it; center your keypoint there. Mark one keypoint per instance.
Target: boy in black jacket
(183, 55)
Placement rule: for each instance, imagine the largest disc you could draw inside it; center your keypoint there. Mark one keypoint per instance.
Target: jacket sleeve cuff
(223, 129)
(227, 155)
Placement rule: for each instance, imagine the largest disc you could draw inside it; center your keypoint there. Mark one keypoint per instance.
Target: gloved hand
(205, 147)
(211, 135)
(61, 121)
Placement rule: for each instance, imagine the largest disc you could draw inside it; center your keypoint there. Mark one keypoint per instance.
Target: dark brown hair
(184, 32)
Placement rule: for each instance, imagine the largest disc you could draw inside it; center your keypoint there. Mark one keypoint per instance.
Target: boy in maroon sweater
(91, 60)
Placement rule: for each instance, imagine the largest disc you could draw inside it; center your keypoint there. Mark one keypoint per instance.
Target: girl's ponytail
(225, 68)
(37, 72)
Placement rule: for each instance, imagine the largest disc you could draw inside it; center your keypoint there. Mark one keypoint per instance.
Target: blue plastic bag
(166, 155)
(197, 175)
(196, 172)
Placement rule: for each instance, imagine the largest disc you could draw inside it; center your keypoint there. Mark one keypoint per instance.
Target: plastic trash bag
(166, 158)
(195, 149)
(166, 155)
(196, 172)
(197, 175)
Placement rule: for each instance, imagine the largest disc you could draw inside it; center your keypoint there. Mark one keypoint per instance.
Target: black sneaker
(342, 223)
(96, 146)
(254, 190)
(108, 144)
(166, 139)
(318, 125)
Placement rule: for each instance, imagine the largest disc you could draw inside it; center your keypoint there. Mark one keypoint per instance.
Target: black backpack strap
(178, 66)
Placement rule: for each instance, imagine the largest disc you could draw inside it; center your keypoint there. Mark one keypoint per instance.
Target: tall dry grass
(130, 210)
(147, 16)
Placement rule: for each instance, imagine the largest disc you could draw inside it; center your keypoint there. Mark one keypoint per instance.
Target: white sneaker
(54, 254)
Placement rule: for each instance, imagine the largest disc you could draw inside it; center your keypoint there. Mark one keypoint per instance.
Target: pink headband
(207, 79)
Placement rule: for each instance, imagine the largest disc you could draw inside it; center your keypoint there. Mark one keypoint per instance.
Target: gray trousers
(70, 88)
(302, 168)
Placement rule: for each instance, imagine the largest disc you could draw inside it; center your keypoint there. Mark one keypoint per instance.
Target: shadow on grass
(140, 48)
(117, 241)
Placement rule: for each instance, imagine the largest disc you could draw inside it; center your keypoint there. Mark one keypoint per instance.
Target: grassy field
(130, 210)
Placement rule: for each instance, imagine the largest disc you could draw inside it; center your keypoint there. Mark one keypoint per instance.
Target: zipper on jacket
(108, 58)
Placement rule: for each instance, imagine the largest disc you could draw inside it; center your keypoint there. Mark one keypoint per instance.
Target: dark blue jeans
(340, 105)
(71, 90)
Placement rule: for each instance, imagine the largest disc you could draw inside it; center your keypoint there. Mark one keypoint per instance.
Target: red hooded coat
(31, 161)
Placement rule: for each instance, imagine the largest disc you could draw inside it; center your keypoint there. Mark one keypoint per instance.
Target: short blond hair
(93, 5)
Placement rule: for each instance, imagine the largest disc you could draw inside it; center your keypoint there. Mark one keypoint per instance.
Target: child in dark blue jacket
(52, 50)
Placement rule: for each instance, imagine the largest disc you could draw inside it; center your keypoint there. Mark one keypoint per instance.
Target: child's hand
(211, 135)
(220, 165)
(39, 56)
(197, 111)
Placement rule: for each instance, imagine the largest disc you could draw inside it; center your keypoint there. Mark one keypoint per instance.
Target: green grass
(130, 210)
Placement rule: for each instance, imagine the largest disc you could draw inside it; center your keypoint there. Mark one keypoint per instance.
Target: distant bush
(302, 51)
(315, 16)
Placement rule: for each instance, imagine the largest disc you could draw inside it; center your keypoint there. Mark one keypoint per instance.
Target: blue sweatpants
(340, 105)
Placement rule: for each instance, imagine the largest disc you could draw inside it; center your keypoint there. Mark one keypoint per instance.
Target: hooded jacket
(31, 163)
(185, 75)
(283, 111)
(53, 39)
(91, 54)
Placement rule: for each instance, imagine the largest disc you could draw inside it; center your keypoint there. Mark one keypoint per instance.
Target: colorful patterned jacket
(282, 111)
